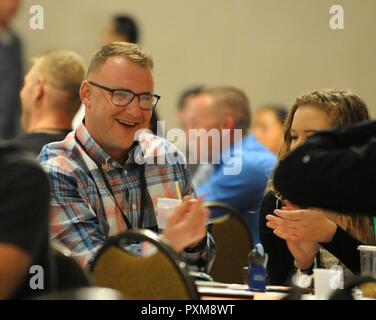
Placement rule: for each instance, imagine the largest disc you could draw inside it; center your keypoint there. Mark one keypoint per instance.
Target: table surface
(256, 296)
(212, 287)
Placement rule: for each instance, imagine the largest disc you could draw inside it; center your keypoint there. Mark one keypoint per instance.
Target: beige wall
(273, 49)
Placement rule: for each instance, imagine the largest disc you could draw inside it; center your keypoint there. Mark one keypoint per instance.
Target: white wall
(273, 49)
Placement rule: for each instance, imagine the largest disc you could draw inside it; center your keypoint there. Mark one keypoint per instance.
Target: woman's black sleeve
(344, 247)
(333, 170)
(280, 262)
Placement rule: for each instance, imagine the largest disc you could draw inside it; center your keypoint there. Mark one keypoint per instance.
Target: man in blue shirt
(219, 119)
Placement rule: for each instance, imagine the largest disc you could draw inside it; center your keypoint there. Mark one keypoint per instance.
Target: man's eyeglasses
(123, 97)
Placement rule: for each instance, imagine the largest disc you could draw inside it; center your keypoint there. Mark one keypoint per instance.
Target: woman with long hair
(302, 238)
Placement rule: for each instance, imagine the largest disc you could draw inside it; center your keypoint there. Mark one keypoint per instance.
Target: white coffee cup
(326, 281)
(368, 260)
(164, 207)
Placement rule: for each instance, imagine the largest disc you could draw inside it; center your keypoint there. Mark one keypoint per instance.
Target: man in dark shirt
(25, 264)
(10, 70)
(50, 98)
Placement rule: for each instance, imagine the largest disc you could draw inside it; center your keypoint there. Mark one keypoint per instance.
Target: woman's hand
(303, 252)
(302, 225)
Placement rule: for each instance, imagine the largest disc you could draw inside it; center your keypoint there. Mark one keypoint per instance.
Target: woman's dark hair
(279, 110)
(127, 27)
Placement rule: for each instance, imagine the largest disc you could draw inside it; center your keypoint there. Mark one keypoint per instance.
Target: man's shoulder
(33, 142)
(251, 154)
(9, 149)
(63, 155)
(255, 153)
(13, 154)
(17, 164)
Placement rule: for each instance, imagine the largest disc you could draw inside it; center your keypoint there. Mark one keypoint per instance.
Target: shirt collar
(91, 147)
(97, 153)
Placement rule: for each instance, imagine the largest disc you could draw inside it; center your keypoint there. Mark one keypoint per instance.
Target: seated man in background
(101, 185)
(242, 165)
(199, 172)
(50, 98)
(183, 101)
(24, 216)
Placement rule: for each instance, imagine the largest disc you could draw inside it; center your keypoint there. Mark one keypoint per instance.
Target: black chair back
(68, 273)
(233, 242)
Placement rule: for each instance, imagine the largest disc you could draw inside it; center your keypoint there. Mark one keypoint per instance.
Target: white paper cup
(368, 268)
(164, 207)
(326, 281)
(368, 260)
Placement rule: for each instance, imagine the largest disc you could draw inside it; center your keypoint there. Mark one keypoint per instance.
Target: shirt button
(134, 206)
(306, 158)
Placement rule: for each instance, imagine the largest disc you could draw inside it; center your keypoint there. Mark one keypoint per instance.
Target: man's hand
(186, 225)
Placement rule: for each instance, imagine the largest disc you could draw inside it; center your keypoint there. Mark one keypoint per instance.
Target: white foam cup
(164, 207)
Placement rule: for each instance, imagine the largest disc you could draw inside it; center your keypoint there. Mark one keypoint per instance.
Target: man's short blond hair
(230, 100)
(127, 50)
(64, 69)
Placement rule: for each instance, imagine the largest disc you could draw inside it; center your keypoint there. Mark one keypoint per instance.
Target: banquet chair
(141, 265)
(233, 242)
(68, 273)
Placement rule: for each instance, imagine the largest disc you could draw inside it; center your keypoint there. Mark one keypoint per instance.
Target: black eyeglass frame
(139, 95)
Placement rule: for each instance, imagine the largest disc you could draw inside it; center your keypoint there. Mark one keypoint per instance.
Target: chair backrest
(68, 274)
(141, 265)
(233, 242)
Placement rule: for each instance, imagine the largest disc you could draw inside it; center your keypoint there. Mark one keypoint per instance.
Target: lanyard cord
(142, 186)
(108, 186)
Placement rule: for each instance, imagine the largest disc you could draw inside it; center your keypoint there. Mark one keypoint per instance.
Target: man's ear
(85, 93)
(39, 89)
(228, 122)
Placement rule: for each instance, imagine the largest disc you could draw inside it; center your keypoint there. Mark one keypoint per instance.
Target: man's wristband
(199, 247)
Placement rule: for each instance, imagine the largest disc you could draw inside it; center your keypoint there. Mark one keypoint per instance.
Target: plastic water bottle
(257, 260)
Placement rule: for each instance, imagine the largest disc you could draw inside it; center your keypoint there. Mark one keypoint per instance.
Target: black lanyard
(144, 193)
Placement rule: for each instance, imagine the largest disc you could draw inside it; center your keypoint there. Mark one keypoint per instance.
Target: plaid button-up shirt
(83, 210)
